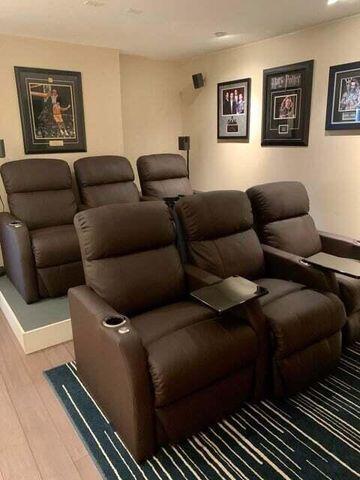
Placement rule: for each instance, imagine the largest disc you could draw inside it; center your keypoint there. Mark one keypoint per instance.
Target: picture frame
(343, 103)
(51, 110)
(287, 92)
(233, 109)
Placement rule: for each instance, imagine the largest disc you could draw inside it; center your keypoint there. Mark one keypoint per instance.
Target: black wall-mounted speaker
(198, 80)
(184, 143)
(2, 149)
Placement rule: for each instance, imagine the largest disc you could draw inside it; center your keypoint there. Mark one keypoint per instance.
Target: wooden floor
(37, 441)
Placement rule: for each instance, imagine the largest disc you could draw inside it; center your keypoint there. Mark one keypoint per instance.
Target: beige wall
(135, 106)
(329, 167)
(101, 91)
(151, 106)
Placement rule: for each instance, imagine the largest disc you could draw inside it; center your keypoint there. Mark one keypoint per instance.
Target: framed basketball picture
(343, 105)
(286, 104)
(51, 110)
(233, 109)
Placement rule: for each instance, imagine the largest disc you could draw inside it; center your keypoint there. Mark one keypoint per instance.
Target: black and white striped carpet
(314, 435)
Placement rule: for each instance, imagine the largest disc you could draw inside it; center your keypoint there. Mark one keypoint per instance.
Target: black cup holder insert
(114, 322)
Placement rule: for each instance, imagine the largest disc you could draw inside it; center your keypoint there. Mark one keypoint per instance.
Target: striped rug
(314, 435)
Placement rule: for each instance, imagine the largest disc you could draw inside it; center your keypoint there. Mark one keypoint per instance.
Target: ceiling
(165, 29)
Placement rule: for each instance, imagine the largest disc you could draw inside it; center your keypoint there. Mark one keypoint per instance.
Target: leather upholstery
(350, 292)
(18, 257)
(55, 281)
(106, 179)
(39, 192)
(281, 211)
(296, 235)
(42, 257)
(202, 344)
(153, 325)
(163, 175)
(303, 318)
(55, 245)
(277, 288)
(282, 215)
(210, 233)
(141, 255)
(276, 201)
(176, 353)
(305, 324)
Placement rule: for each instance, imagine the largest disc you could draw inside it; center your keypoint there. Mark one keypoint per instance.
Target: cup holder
(303, 262)
(115, 322)
(15, 224)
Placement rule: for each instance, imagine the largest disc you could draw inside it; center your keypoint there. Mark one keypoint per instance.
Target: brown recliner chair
(106, 179)
(281, 211)
(160, 373)
(305, 325)
(38, 239)
(163, 175)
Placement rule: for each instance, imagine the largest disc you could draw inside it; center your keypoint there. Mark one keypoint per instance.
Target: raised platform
(39, 325)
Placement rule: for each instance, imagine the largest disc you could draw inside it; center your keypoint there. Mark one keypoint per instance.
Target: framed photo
(343, 105)
(51, 109)
(233, 109)
(286, 104)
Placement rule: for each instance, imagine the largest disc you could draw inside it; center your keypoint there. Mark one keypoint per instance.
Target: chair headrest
(279, 200)
(161, 167)
(36, 174)
(103, 169)
(209, 215)
(119, 229)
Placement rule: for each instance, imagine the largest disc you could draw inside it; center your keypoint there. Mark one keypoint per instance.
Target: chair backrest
(107, 179)
(218, 231)
(281, 211)
(163, 175)
(40, 191)
(129, 255)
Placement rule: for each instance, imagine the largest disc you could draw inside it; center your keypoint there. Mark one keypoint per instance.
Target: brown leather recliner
(282, 215)
(106, 179)
(305, 324)
(163, 175)
(38, 239)
(173, 365)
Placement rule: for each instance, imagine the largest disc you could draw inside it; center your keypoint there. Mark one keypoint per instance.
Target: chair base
(351, 331)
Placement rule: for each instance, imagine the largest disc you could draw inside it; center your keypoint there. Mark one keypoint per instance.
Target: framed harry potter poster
(286, 104)
(233, 109)
(343, 105)
(51, 109)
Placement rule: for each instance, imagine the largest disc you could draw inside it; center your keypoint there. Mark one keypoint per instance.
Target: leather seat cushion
(301, 318)
(277, 288)
(164, 320)
(198, 355)
(349, 292)
(55, 246)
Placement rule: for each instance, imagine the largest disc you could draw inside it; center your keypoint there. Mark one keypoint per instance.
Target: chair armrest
(114, 367)
(340, 246)
(197, 278)
(18, 256)
(147, 198)
(285, 265)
